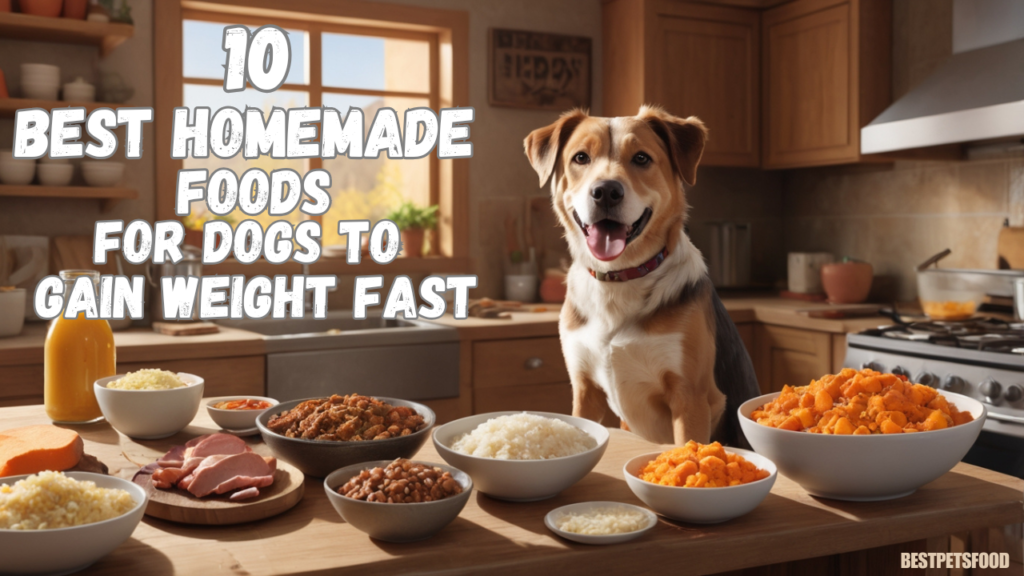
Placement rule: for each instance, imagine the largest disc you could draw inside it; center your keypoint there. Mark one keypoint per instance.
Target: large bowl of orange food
(862, 435)
(701, 483)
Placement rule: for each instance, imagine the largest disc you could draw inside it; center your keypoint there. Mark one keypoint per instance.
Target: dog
(643, 331)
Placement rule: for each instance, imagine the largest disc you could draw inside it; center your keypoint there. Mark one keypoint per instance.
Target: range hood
(975, 95)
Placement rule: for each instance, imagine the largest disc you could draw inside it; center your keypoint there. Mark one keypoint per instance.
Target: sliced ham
(216, 444)
(232, 472)
(175, 457)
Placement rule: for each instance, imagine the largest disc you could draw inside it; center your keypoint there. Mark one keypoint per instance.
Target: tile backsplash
(896, 215)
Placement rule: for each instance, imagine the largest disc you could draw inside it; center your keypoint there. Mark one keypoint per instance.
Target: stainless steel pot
(191, 264)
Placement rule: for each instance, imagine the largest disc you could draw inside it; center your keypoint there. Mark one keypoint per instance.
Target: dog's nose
(607, 193)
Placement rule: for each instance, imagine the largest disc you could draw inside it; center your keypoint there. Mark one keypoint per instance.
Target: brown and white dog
(643, 331)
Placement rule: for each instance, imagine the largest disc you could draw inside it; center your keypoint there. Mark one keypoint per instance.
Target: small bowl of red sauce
(238, 414)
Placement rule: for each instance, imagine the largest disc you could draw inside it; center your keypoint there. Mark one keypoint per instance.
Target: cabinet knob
(533, 363)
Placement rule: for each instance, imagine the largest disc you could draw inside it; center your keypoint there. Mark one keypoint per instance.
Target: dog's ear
(683, 137)
(543, 145)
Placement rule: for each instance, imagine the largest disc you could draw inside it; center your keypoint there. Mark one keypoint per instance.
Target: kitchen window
(338, 62)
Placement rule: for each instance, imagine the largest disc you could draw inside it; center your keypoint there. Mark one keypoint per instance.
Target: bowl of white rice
(58, 523)
(149, 404)
(522, 456)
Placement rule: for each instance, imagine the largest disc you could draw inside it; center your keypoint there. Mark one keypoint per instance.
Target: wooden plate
(177, 505)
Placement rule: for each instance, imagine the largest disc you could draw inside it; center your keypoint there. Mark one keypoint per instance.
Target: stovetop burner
(989, 334)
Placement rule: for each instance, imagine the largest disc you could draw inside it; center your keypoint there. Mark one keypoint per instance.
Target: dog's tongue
(607, 240)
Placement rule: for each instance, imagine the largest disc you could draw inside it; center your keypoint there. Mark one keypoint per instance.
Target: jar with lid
(77, 353)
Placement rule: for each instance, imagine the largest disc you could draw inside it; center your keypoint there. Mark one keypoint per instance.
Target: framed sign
(539, 70)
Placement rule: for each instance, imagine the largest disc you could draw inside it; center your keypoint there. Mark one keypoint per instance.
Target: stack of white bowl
(16, 171)
(40, 81)
(55, 171)
(102, 172)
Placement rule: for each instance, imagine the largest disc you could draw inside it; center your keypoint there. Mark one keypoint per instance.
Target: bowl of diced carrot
(862, 435)
(701, 483)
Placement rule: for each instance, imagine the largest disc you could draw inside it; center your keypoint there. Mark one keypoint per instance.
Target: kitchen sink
(375, 356)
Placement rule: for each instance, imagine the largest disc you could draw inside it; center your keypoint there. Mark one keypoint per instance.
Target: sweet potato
(700, 465)
(34, 449)
(860, 402)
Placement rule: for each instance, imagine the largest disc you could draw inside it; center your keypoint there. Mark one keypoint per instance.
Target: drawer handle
(533, 363)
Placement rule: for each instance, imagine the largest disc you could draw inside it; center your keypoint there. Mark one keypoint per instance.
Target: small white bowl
(236, 420)
(396, 522)
(701, 505)
(552, 518)
(51, 174)
(79, 91)
(102, 172)
(12, 312)
(872, 466)
(17, 172)
(150, 414)
(521, 480)
(67, 550)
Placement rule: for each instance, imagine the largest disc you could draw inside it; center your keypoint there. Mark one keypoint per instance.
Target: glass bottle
(78, 352)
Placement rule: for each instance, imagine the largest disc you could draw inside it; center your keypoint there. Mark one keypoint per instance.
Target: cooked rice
(603, 521)
(148, 379)
(52, 500)
(524, 437)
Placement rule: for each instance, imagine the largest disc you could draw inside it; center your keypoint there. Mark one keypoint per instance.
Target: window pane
(216, 98)
(376, 63)
(203, 57)
(366, 188)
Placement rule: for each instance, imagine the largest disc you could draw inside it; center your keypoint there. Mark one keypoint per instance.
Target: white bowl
(12, 312)
(67, 550)
(79, 92)
(39, 90)
(17, 172)
(396, 522)
(236, 420)
(51, 174)
(149, 414)
(870, 467)
(701, 505)
(102, 172)
(41, 71)
(552, 518)
(521, 480)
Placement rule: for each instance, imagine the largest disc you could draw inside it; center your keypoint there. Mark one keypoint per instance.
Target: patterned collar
(632, 273)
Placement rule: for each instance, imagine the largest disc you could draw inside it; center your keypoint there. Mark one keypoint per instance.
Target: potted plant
(413, 222)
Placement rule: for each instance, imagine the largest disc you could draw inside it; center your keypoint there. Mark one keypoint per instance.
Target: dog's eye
(641, 159)
(581, 158)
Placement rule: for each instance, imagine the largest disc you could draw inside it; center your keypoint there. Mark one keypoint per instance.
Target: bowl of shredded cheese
(149, 404)
(600, 523)
(82, 515)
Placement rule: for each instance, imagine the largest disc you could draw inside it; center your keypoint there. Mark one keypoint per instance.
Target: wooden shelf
(106, 35)
(8, 106)
(108, 196)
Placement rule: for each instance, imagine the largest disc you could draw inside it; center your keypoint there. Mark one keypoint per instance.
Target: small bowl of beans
(398, 500)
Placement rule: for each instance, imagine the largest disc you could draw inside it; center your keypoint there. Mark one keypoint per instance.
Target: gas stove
(982, 358)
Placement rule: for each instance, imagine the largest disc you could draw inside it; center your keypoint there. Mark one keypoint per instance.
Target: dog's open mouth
(607, 239)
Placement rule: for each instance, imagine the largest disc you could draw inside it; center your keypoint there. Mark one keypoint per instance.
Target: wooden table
(494, 537)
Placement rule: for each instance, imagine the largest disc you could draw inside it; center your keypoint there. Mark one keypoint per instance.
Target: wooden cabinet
(692, 59)
(793, 356)
(520, 374)
(826, 68)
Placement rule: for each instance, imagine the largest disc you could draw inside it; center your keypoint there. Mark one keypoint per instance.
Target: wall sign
(539, 70)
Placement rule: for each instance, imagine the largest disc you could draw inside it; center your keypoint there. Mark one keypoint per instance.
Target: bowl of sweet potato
(862, 435)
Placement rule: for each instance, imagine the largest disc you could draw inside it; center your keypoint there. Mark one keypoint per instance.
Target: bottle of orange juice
(78, 352)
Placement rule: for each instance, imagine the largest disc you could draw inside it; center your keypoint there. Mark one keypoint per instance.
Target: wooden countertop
(139, 345)
(495, 537)
(766, 309)
(144, 345)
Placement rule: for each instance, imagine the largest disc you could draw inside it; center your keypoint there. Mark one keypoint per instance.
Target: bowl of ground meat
(321, 435)
(398, 500)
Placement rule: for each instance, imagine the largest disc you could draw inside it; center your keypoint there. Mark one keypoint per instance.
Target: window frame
(446, 31)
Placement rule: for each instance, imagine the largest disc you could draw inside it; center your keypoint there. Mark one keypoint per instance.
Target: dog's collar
(632, 273)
